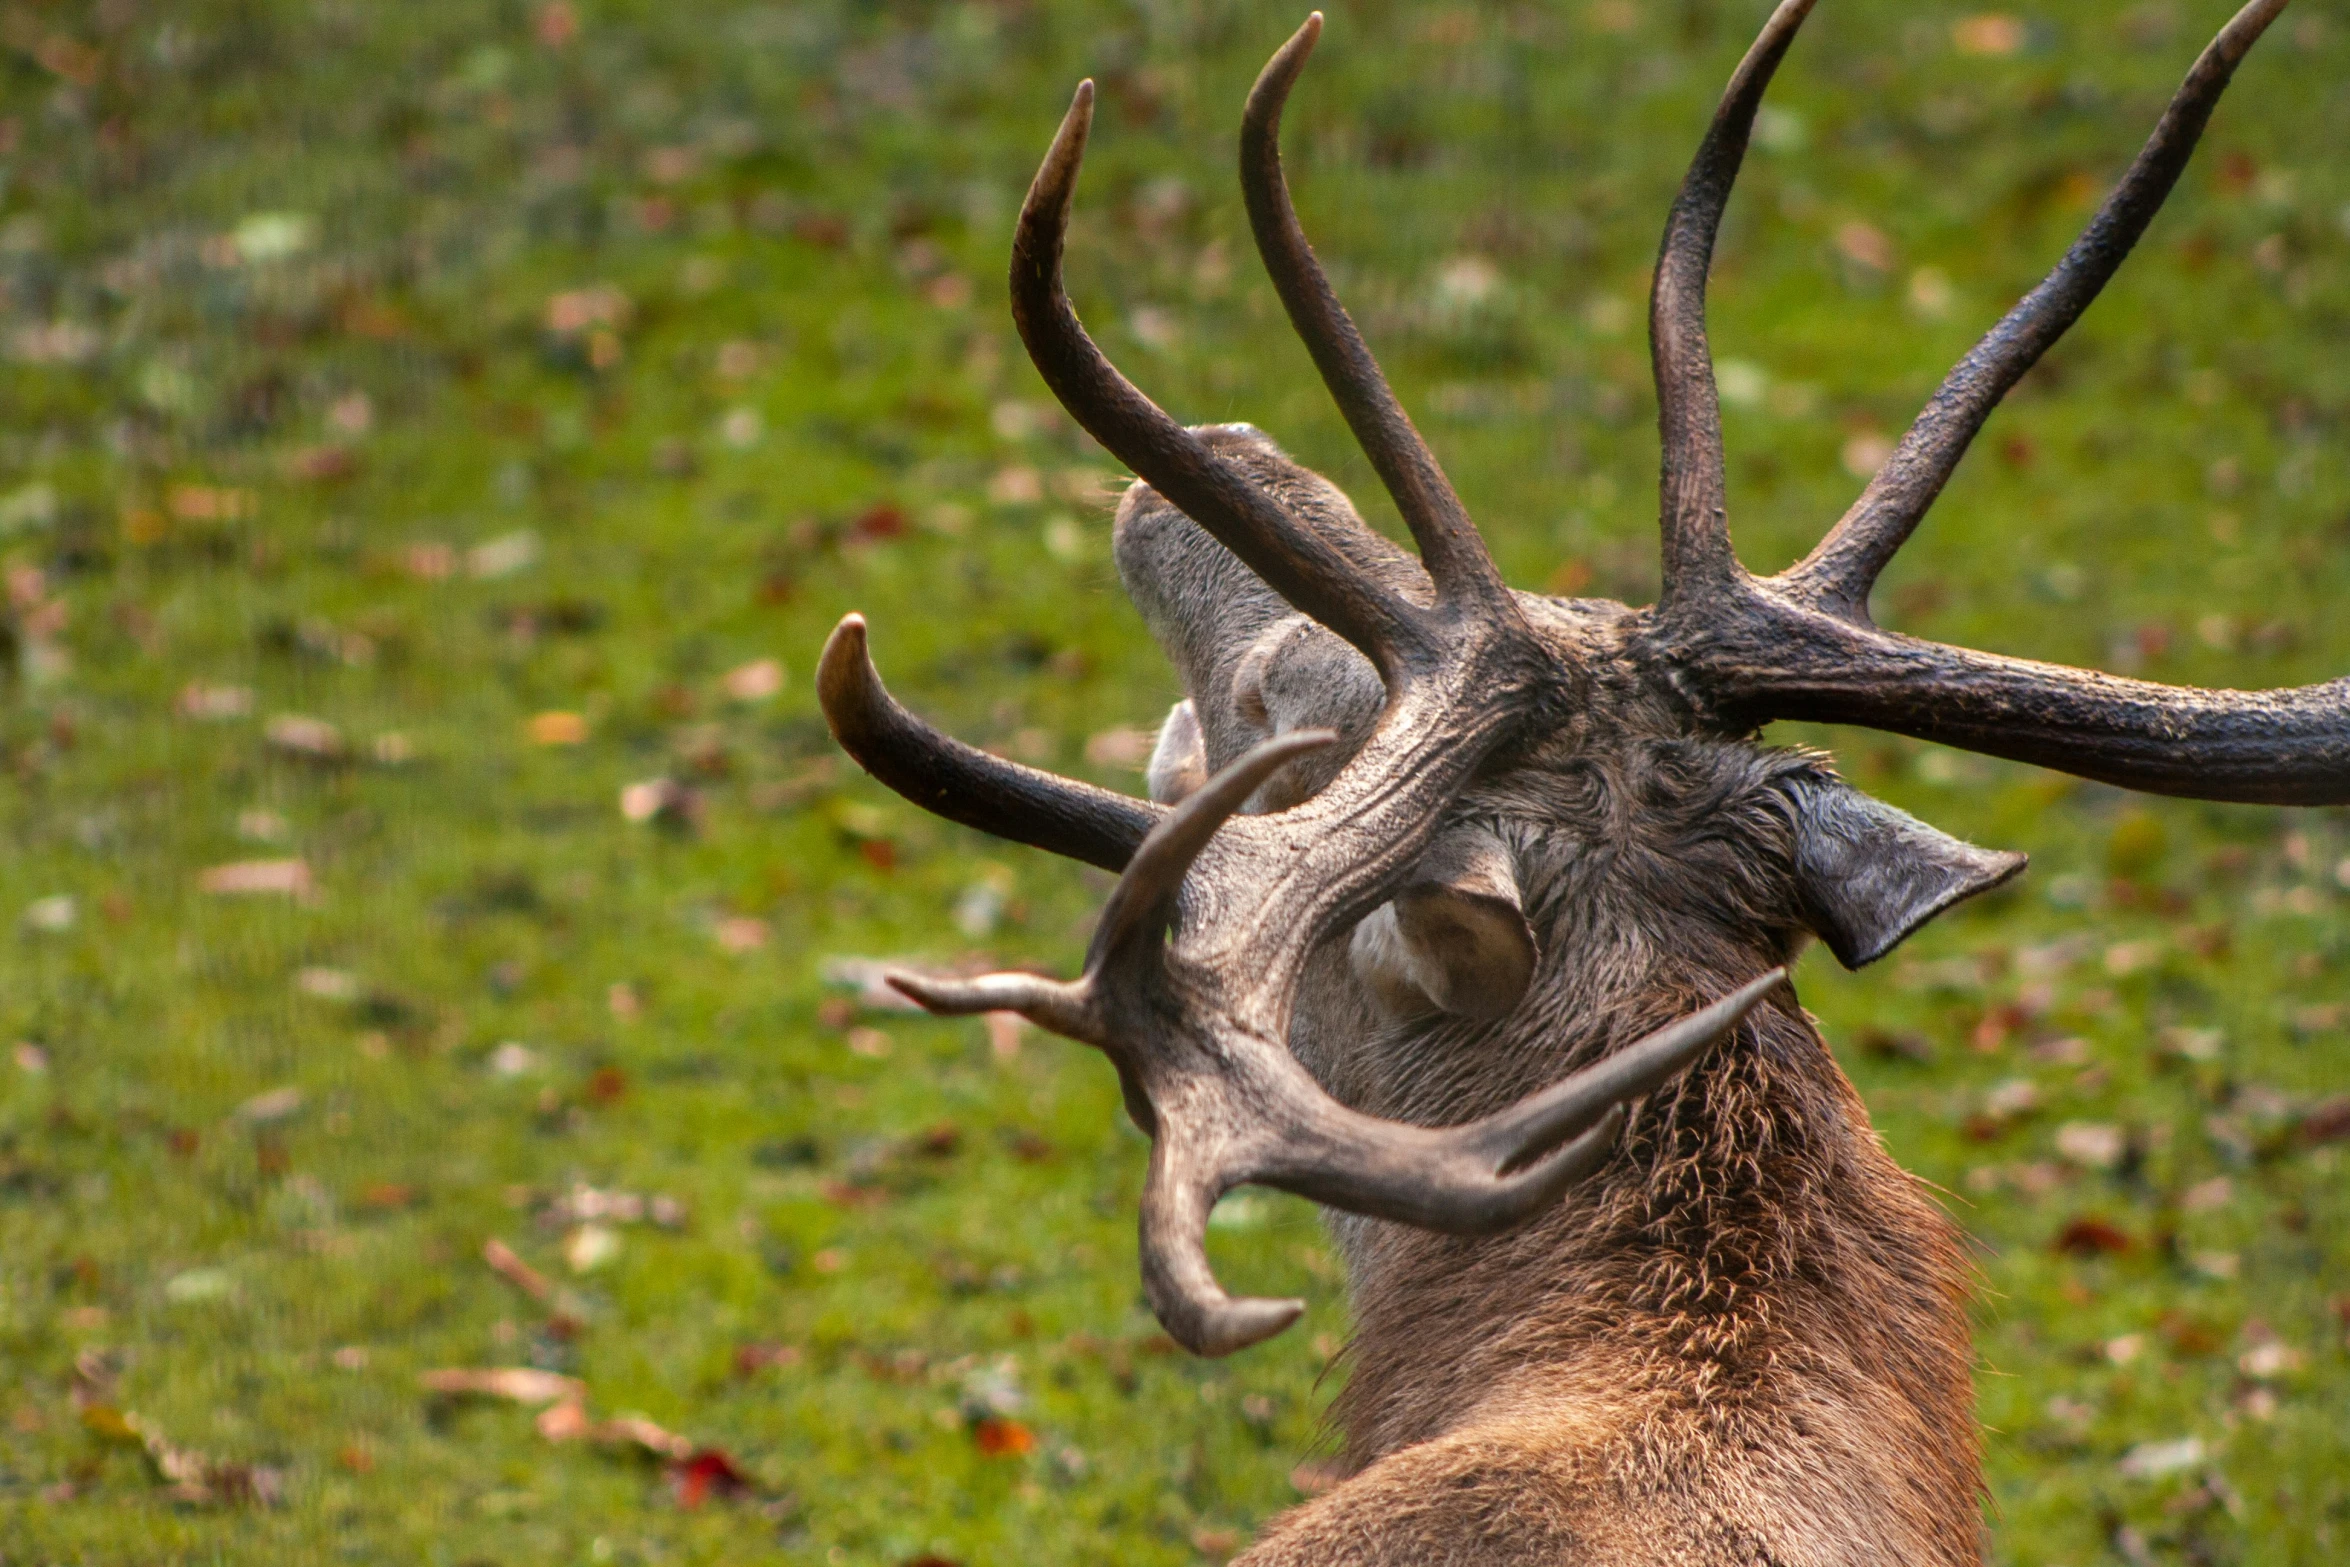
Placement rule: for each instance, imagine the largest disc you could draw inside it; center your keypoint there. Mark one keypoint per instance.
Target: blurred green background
(421, 425)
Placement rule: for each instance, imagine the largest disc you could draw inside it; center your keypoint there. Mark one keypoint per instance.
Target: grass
(428, 370)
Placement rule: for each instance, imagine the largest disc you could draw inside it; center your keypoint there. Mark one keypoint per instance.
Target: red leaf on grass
(1002, 1438)
(2092, 1236)
(2327, 1121)
(704, 1473)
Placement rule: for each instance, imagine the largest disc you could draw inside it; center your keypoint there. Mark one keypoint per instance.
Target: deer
(1467, 913)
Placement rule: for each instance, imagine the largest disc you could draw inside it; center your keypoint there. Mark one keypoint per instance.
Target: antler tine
(1489, 1174)
(1185, 1180)
(1293, 560)
(943, 775)
(1139, 908)
(1478, 1179)
(1049, 1003)
(1531, 1127)
(1801, 645)
(1697, 552)
(1450, 547)
(1838, 575)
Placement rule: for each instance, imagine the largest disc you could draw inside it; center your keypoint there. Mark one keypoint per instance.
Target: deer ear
(1455, 939)
(1868, 875)
(1179, 762)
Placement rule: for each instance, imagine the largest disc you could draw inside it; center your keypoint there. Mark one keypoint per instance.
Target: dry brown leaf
(522, 1384)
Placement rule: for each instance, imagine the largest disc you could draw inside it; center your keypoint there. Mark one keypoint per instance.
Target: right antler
(1801, 645)
(1191, 976)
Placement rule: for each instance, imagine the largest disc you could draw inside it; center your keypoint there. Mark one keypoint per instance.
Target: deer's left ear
(1868, 874)
(1455, 938)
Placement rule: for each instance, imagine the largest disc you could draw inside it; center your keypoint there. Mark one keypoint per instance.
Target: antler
(1800, 645)
(1192, 973)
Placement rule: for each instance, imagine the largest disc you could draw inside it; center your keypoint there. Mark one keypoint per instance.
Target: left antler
(1191, 976)
(1800, 645)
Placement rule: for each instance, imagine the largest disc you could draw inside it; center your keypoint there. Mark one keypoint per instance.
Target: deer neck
(1749, 1259)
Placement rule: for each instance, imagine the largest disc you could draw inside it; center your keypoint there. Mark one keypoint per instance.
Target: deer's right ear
(1455, 939)
(1179, 762)
(1868, 874)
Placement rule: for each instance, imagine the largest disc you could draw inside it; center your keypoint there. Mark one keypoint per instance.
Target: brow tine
(944, 776)
(1697, 552)
(1838, 575)
(1450, 547)
(1049, 1003)
(1293, 560)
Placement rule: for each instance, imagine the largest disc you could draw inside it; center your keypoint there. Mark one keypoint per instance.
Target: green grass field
(418, 423)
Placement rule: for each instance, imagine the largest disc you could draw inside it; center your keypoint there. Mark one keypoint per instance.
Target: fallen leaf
(1317, 1475)
(389, 1195)
(325, 464)
(514, 1270)
(312, 738)
(568, 1422)
(1002, 1437)
(1865, 245)
(502, 556)
(2205, 1196)
(107, 1423)
(244, 878)
(328, 984)
(1122, 747)
(214, 703)
(2153, 1460)
(556, 729)
(2267, 1362)
(53, 914)
(750, 1359)
(513, 1059)
(2093, 1145)
(590, 1247)
(740, 934)
(2091, 1236)
(521, 1384)
(275, 1105)
(1864, 453)
(704, 1473)
(1991, 33)
(1003, 1033)
(868, 978)
(883, 521)
(2327, 1121)
(755, 681)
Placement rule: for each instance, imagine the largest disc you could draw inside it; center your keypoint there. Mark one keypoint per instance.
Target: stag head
(1393, 777)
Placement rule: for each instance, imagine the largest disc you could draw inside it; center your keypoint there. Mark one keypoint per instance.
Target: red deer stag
(1451, 898)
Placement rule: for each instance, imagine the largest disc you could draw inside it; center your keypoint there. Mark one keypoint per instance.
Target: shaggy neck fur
(1750, 1325)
